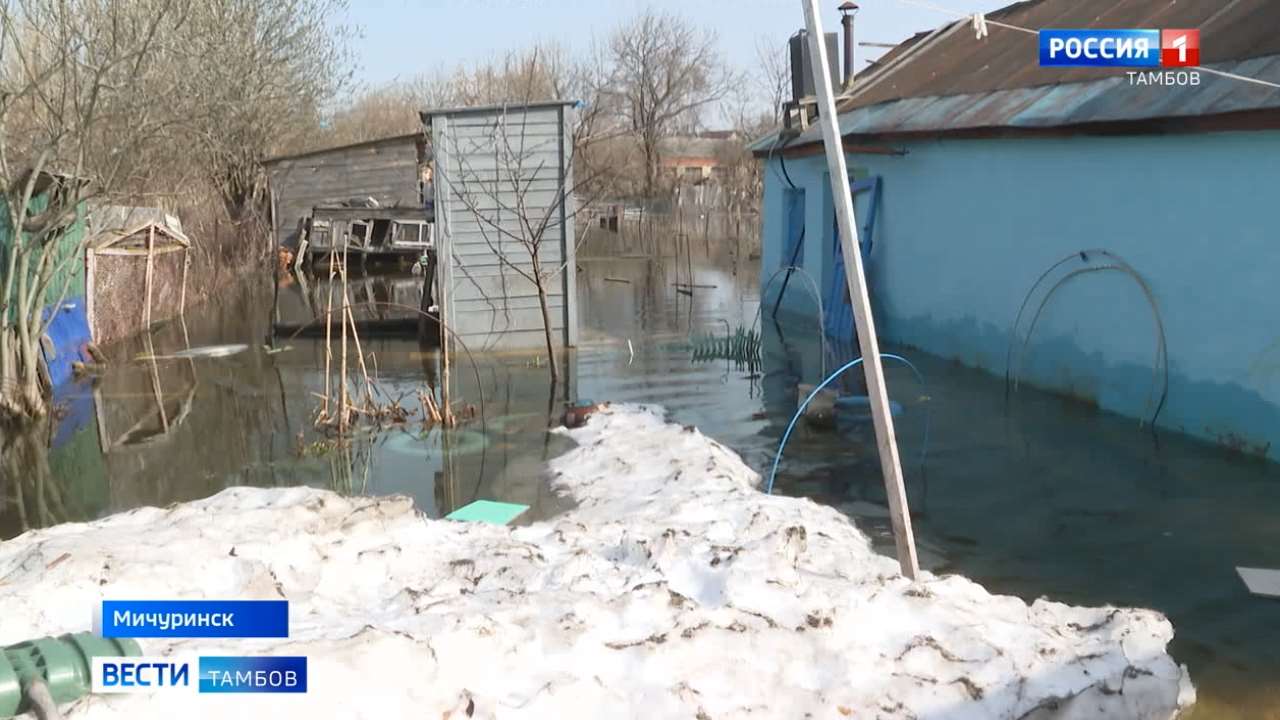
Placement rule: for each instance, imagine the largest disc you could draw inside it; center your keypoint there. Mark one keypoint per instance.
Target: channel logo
(206, 674)
(141, 674)
(1135, 48)
(1180, 48)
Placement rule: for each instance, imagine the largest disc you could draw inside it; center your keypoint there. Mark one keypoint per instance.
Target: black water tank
(802, 84)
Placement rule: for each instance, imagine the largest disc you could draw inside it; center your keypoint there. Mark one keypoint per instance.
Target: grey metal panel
(482, 156)
(568, 239)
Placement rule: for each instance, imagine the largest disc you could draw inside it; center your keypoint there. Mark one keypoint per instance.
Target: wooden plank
(887, 444)
(1260, 581)
(146, 311)
(140, 252)
(182, 296)
(90, 304)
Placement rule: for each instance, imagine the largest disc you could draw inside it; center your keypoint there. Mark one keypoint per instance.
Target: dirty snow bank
(674, 589)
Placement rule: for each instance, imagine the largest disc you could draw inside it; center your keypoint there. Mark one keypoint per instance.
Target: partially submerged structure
(52, 220)
(368, 198)
(136, 267)
(116, 270)
(505, 223)
(1081, 230)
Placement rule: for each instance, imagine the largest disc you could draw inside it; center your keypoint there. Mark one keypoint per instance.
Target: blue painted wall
(967, 226)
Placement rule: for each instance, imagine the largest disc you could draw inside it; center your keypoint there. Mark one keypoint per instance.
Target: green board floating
(488, 511)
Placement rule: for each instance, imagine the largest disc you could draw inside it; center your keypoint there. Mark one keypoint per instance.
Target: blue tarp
(68, 335)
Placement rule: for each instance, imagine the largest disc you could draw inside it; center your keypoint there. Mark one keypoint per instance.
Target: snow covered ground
(674, 589)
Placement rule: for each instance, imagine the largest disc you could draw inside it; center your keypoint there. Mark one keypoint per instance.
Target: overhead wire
(986, 21)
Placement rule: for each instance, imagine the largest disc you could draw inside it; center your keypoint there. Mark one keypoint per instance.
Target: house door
(839, 310)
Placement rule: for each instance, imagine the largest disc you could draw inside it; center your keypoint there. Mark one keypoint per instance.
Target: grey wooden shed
(378, 182)
(503, 187)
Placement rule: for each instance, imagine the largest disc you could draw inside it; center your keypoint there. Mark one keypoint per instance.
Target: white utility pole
(890, 464)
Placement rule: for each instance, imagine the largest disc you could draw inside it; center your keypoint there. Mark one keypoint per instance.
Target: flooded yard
(1035, 497)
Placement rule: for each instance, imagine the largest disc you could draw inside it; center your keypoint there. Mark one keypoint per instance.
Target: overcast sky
(404, 38)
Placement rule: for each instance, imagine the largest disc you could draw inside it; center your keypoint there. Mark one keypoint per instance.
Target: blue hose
(795, 418)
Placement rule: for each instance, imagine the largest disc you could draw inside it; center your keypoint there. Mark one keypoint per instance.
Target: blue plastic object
(68, 334)
(858, 407)
(924, 449)
(75, 400)
(488, 511)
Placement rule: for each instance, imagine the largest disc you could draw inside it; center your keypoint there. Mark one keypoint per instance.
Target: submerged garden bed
(672, 589)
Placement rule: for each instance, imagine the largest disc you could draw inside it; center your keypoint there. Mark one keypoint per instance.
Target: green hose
(62, 664)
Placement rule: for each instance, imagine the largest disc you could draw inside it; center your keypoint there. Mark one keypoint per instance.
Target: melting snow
(673, 589)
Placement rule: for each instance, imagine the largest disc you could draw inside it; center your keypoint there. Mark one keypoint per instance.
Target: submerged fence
(671, 229)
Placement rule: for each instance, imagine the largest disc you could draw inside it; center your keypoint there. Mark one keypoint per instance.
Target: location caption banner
(192, 619)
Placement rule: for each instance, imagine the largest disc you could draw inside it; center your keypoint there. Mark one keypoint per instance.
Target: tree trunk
(650, 166)
(540, 282)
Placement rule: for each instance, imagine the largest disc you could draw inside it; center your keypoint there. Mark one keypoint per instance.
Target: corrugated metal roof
(948, 81)
(426, 115)
(960, 64)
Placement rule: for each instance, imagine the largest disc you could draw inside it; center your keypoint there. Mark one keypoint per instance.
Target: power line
(1030, 31)
(1241, 78)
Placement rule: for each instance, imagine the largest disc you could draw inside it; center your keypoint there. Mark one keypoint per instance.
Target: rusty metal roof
(961, 64)
(947, 80)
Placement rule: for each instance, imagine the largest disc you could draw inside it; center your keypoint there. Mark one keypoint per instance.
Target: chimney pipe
(847, 10)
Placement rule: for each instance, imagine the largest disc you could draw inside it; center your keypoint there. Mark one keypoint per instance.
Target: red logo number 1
(1179, 48)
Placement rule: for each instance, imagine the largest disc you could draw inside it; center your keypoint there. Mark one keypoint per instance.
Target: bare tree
(251, 75)
(772, 75)
(373, 113)
(126, 99)
(665, 72)
(76, 121)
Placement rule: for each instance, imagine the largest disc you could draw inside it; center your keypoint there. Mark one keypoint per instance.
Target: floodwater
(1039, 496)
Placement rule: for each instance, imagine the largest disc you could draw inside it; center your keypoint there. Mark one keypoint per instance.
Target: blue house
(1109, 235)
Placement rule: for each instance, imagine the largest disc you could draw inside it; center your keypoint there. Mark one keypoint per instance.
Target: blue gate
(839, 309)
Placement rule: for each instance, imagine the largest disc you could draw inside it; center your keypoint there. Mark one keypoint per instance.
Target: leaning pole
(890, 464)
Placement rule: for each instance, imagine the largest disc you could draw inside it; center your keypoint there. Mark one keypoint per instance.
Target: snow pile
(673, 589)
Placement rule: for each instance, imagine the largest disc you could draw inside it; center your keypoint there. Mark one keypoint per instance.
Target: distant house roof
(391, 140)
(947, 80)
(707, 145)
